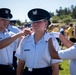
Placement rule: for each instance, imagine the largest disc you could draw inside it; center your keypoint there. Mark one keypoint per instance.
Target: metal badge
(6, 11)
(30, 69)
(34, 12)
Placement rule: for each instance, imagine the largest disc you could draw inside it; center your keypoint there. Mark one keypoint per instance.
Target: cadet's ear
(46, 23)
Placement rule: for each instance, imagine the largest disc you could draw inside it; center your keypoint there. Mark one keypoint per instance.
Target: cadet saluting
(33, 49)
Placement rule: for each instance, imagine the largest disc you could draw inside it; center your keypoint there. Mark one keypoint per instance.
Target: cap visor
(37, 20)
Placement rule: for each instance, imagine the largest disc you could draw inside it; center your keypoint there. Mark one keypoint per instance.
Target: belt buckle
(30, 69)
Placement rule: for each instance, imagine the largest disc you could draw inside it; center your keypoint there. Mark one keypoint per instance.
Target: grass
(65, 65)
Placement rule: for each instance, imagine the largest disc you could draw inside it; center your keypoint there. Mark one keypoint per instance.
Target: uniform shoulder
(26, 37)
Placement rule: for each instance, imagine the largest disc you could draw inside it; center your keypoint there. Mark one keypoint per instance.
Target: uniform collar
(4, 31)
(45, 37)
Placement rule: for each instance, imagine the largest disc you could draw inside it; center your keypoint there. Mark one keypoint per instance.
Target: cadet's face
(3, 23)
(39, 26)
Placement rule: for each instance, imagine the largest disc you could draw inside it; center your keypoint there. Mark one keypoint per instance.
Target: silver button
(30, 69)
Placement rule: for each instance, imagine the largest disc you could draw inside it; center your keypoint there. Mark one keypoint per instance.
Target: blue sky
(20, 8)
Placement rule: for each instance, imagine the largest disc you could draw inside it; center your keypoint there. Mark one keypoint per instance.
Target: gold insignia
(34, 12)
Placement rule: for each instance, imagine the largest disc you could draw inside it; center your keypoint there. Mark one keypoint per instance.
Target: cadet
(33, 51)
(6, 40)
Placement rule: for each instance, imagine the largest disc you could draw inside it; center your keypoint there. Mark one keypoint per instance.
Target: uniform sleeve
(69, 53)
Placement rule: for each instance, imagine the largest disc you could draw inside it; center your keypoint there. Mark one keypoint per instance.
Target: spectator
(71, 33)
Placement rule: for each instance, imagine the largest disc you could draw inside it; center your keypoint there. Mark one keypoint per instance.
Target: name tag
(27, 50)
(0, 39)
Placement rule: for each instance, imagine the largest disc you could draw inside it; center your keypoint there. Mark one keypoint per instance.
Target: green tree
(67, 19)
(19, 22)
(74, 13)
(55, 19)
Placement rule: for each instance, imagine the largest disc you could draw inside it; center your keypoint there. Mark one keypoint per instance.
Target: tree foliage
(65, 15)
(55, 19)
